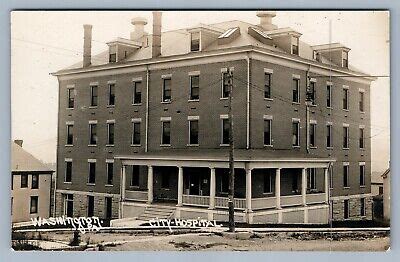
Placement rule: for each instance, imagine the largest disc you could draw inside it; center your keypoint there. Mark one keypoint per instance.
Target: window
(35, 181)
(24, 180)
(225, 131)
(313, 128)
(267, 85)
(193, 132)
(194, 87)
(312, 93)
(195, 42)
(225, 85)
(93, 95)
(268, 183)
(137, 92)
(223, 182)
(166, 133)
(34, 204)
(110, 173)
(362, 207)
(70, 134)
(345, 175)
(90, 206)
(69, 205)
(112, 58)
(346, 214)
(361, 102)
(295, 45)
(345, 137)
(92, 134)
(361, 138)
(111, 94)
(136, 133)
(331, 177)
(345, 99)
(329, 96)
(135, 176)
(311, 179)
(108, 207)
(295, 183)
(165, 178)
(362, 175)
(68, 171)
(110, 133)
(92, 173)
(267, 132)
(166, 95)
(71, 97)
(345, 59)
(296, 90)
(295, 133)
(329, 136)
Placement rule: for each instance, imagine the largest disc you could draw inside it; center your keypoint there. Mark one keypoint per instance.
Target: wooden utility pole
(231, 163)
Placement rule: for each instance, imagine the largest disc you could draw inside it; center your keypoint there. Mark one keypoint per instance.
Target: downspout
(307, 111)
(248, 103)
(147, 108)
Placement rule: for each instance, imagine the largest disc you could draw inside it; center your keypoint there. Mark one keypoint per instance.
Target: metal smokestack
(87, 45)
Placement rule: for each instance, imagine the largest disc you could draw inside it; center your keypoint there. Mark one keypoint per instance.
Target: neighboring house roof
(22, 161)
(386, 173)
(177, 42)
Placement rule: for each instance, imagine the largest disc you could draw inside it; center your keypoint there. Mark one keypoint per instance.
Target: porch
(202, 184)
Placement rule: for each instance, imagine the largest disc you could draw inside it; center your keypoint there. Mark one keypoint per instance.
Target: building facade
(144, 125)
(30, 186)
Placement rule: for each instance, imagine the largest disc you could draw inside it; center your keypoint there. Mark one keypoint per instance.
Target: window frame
(35, 182)
(225, 84)
(329, 96)
(70, 134)
(297, 123)
(311, 179)
(295, 46)
(269, 120)
(270, 188)
(329, 134)
(92, 174)
(361, 102)
(313, 135)
(70, 97)
(164, 90)
(68, 162)
(361, 138)
(363, 204)
(346, 209)
(313, 90)
(135, 175)
(346, 171)
(93, 137)
(94, 96)
(190, 122)
(362, 174)
(136, 129)
(345, 137)
(24, 182)
(110, 172)
(137, 96)
(163, 122)
(110, 135)
(345, 98)
(223, 131)
(191, 98)
(34, 208)
(296, 83)
(90, 206)
(267, 85)
(196, 41)
(111, 95)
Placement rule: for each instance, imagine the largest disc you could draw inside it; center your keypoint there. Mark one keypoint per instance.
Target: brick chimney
(19, 142)
(156, 43)
(266, 20)
(87, 45)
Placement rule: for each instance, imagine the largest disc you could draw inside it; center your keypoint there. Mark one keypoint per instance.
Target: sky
(43, 42)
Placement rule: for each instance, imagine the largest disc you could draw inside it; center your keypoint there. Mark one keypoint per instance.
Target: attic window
(295, 45)
(112, 58)
(345, 59)
(195, 42)
(259, 35)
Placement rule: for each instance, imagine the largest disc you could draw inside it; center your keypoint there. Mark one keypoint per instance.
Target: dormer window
(345, 59)
(112, 58)
(195, 42)
(295, 45)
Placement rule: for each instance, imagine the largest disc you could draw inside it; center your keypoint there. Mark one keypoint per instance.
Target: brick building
(143, 127)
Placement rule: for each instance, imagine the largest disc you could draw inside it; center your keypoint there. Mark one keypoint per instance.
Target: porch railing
(293, 200)
(136, 195)
(222, 202)
(194, 200)
(264, 202)
(315, 198)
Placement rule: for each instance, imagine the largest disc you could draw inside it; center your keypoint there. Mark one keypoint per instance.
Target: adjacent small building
(30, 185)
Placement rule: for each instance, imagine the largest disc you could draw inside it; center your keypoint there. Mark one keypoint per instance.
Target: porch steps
(160, 212)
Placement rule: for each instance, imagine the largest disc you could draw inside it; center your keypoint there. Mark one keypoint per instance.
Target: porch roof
(240, 155)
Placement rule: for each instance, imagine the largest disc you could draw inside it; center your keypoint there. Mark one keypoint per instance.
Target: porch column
(248, 189)
(212, 188)
(278, 188)
(122, 183)
(304, 186)
(326, 173)
(180, 185)
(149, 184)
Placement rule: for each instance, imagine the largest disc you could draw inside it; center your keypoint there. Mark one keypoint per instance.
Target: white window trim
(112, 82)
(166, 76)
(165, 118)
(94, 84)
(92, 160)
(224, 116)
(137, 79)
(194, 73)
(92, 121)
(295, 76)
(70, 86)
(110, 121)
(268, 117)
(193, 118)
(313, 121)
(268, 71)
(137, 120)
(109, 160)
